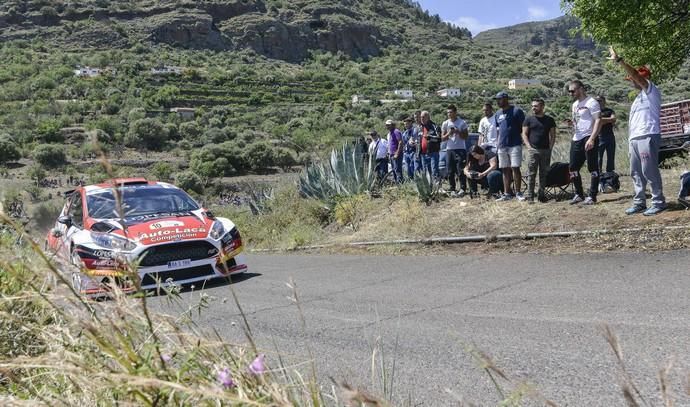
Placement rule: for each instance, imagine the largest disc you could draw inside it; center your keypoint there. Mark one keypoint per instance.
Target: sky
(482, 15)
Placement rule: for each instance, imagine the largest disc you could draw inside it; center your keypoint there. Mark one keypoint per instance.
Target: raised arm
(640, 80)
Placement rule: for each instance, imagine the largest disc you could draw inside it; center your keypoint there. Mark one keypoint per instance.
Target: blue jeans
(430, 163)
(411, 164)
(397, 166)
(493, 181)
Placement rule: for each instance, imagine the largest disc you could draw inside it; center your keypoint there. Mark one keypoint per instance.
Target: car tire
(76, 281)
(74, 258)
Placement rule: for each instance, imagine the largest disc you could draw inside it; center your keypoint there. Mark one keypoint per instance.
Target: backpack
(684, 185)
(609, 182)
(558, 175)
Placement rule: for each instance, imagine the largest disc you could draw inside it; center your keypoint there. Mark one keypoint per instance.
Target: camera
(474, 175)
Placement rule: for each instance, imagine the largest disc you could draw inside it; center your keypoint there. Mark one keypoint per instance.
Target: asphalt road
(537, 316)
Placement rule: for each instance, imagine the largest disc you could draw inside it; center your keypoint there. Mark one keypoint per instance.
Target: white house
(359, 100)
(184, 112)
(448, 92)
(523, 83)
(166, 70)
(404, 93)
(88, 72)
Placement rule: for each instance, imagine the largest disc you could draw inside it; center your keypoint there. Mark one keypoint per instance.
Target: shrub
(147, 134)
(351, 211)
(190, 131)
(49, 131)
(162, 170)
(35, 193)
(36, 173)
(44, 214)
(218, 160)
(214, 135)
(189, 181)
(284, 158)
(50, 155)
(259, 155)
(8, 150)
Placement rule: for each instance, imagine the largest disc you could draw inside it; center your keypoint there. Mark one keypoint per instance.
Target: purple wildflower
(225, 378)
(166, 358)
(257, 367)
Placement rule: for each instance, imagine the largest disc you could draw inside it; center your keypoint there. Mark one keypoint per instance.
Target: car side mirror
(56, 233)
(65, 220)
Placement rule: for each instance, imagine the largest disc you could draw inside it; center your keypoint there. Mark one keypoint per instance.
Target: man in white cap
(395, 150)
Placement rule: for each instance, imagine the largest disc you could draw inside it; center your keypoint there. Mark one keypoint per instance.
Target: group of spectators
(494, 162)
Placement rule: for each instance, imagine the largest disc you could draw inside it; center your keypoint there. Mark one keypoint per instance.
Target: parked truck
(675, 128)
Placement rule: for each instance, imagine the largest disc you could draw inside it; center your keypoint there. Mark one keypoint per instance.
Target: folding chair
(558, 183)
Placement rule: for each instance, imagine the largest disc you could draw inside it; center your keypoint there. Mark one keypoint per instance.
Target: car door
(75, 212)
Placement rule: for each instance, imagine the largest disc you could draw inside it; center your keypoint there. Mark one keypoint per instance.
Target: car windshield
(139, 201)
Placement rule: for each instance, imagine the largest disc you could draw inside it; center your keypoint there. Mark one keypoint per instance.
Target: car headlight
(113, 242)
(217, 230)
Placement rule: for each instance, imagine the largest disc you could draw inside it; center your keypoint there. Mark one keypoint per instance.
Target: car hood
(162, 229)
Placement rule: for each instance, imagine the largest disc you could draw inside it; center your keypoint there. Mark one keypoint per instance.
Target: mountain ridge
(275, 29)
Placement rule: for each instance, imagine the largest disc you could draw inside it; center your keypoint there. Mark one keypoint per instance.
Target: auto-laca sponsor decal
(172, 234)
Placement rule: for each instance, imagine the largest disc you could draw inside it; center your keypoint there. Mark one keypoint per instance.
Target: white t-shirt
(454, 141)
(379, 147)
(645, 112)
(487, 128)
(584, 113)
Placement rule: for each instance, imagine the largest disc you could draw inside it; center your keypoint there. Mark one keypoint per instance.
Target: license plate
(179, 263)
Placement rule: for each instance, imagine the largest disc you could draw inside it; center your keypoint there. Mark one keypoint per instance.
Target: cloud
(475, 26)
(537, 12)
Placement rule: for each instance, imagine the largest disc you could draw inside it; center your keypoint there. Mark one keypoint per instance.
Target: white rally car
(107, 232)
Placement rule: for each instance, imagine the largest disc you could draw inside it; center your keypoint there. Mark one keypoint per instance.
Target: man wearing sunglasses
(584, 147)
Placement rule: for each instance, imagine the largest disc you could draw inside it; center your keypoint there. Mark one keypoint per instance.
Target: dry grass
(402, 216)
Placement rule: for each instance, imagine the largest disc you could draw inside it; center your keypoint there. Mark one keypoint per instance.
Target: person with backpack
(539, 135)
(644, 128)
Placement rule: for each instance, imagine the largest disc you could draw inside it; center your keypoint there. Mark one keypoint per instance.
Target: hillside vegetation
(270, 82)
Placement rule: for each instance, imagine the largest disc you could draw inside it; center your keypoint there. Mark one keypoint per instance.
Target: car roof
(125, 182)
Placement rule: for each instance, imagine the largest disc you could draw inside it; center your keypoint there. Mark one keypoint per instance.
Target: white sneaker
(589, 201)
(520, 197)
(504, 197)
(576, 200)
(453, 194)
(461, 193)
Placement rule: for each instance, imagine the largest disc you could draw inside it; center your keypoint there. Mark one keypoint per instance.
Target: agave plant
(347, 173)
(427, 188)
